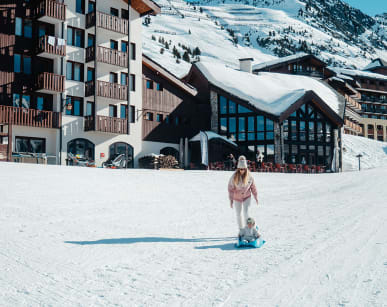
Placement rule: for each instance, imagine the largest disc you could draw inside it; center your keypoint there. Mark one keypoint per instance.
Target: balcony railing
(52, 45)
(50, 82)
(112, 90)
(315, 74)
(107, 21)
(51, 8)
(107, 55)
(106, 124)
(29, 117)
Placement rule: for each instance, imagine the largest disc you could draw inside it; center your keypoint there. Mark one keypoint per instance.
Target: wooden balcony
(49, 47)
(50, 83)
(106, 124)
(107, 22)
(29, 117)
(107, 90)
(51, 11)
(108, 56)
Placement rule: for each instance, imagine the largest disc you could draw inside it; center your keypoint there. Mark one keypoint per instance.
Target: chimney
(245, 64)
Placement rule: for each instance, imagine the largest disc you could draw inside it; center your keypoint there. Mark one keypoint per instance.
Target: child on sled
(249, 234)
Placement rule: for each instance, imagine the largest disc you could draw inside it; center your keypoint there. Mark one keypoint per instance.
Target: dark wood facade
(303, 134)
(170, 109)
(307, 65)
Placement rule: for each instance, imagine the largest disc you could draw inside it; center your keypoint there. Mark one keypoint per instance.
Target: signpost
(359, 156)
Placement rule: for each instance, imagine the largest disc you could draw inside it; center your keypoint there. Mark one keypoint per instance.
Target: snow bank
(374, 153)
(270, 92)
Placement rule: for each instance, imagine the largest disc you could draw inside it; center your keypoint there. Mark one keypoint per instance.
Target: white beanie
(242, 163)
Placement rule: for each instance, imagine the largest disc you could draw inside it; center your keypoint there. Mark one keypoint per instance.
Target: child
(249, 233)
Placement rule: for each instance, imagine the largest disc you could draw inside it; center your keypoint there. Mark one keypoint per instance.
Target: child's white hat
(250, 220)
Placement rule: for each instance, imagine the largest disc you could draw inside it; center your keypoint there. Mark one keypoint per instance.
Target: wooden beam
(9, 143)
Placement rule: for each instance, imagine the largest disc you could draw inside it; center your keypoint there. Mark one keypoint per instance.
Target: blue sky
(370, 7)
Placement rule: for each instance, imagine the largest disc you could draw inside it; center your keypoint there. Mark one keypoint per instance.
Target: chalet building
(70, 78)
(378, 66)
(170, 111)
(290, 118)
(298, 64)
(372, 95)
(309, 65)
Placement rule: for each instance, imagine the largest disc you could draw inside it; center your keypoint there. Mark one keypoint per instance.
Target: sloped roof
(212, 135)
(290, 58)
(376, 63)
(145, 7)
(147, 61)
(272, 93)
(358, 73)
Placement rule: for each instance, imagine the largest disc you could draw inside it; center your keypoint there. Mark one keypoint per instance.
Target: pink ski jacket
(242, 192)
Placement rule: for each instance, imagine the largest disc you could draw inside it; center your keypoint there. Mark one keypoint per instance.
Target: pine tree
(186, 57)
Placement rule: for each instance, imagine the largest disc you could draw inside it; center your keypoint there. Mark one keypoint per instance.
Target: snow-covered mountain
(226, 30)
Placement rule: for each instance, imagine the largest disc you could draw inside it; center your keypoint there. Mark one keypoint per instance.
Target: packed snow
(75, 236)
(270, 92)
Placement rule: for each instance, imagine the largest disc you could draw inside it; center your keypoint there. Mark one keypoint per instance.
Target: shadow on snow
(158, 240)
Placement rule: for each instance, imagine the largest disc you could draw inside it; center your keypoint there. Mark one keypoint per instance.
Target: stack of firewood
(168, 162)
(158, 161)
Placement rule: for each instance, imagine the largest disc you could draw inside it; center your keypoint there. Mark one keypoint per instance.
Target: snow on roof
(375, 63)
(270, 92)
(280, 60)
(358, 73)
(212, 135)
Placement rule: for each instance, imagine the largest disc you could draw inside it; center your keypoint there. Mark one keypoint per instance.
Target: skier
(240, 188)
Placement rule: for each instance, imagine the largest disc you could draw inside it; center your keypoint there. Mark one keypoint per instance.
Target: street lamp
(359, 156)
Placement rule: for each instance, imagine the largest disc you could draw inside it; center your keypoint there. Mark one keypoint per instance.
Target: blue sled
(253, 244)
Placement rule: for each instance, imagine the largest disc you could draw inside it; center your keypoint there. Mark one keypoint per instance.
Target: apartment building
(71, 79)
(372, 96)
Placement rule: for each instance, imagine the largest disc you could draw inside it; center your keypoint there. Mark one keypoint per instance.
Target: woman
(240, 188)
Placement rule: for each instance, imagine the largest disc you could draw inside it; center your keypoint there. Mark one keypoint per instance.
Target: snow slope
(263, 29)
(97, 237)
(374, 153)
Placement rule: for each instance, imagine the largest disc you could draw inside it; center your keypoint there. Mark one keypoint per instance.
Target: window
(27, 65)
(80, 6)
(31, 145)
(76, 104)
(124, 14)
(21, 66)
(113, 44)
(132, 82)
(132, 114)
(21, 101)
(91, 7)
(28, 28)
(113, 78)
(223, 125)
(132, 51)
(90, 40)
(114, 11)
(89, 108)
(41, 30)
(177, 120)
(242, 109)
(149, 116)
(124, 78)
(123, 111)
(149, 84)
(90, 74)
(231, 107)
(112, 110)
(159, 118)
(82, 148)
(74, 71)
(18, 26)
(39, 103)
(17, 62)
(159, 86)
(124, 46)
(75, 37)
(223, 105)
